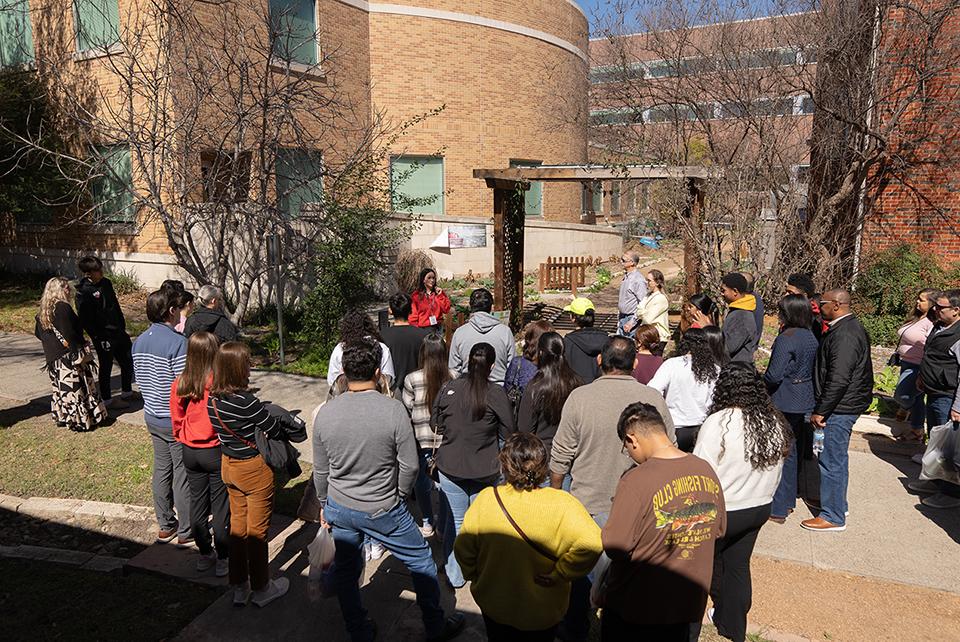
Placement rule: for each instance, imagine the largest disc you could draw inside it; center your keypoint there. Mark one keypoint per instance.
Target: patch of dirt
(117, 538)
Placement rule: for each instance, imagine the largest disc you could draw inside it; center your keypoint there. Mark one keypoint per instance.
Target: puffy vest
(939, 368)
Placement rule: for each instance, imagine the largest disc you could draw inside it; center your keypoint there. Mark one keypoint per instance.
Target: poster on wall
(461, 236)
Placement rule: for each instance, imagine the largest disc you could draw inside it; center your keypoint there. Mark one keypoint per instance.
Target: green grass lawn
(111, 464)
(19, 301)
(44, 601)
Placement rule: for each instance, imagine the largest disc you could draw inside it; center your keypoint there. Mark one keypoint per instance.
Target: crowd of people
(583, 471)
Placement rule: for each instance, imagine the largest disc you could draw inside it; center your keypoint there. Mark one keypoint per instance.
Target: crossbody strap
(516, 527)
(213, 402)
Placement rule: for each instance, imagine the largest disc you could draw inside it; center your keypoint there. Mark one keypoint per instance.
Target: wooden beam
(693, 234)
(591, 173)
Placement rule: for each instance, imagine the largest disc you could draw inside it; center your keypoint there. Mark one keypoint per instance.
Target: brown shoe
(166, 536)
(820, 524)
(777, 520)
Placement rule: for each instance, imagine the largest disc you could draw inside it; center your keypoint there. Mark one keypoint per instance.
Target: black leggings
(208, 496)
(687, 437)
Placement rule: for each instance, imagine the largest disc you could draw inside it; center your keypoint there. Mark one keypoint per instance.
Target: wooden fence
(564, 273)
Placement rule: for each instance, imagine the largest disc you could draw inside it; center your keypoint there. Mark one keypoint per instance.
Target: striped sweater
(240, 415)
(159, 355)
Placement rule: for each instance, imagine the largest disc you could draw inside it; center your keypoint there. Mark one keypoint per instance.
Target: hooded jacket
(740, 329)
(209, 320)
(482, 327)
(581, 348)
(98, 308)
(843, 378)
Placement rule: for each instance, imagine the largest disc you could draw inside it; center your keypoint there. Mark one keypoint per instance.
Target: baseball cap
(580, 305)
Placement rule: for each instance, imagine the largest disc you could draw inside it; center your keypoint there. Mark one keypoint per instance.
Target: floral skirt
(76, 400)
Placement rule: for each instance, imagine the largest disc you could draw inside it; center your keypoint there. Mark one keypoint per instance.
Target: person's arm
(321, 462)
(112, 301)
(408, 395)
(443, 302)
(737, 333)
(466, 547)
(779, 359)
(178, 360)
(334, 367)
(652, 309)
(259, 417)
(525, 419)
(225, 330)
(565, 444)
(86, 311)
(455, 361)
(414, 318)
(500, 404)
(408, 461)
(841, 360)
(620, 535)
(661, 378)
(436, 413)
(585, 544)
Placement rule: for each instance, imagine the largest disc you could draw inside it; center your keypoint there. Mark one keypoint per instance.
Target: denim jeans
(423, 489)
(623, 319)
(459, 494)
(397, 531)
(907, 395)
(576, 622)
(800, 477)
(835, 467)
(938, 410)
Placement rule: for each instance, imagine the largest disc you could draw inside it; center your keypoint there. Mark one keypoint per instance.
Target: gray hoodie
(482, 327)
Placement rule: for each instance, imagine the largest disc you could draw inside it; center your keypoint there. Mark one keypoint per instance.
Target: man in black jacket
(101, 317)
(209, 316)
(582, 346)
(843, 385)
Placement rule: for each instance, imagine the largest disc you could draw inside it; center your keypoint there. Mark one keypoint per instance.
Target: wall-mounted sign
(460, 236)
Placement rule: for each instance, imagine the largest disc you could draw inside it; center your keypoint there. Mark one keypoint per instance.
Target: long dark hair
(932, 293)
(706, 305)
(555, 379)
(794, 312)
(433, 362)
(704, 360)
(423, 274)
(357, 325)
(764, 427)
(482, 356)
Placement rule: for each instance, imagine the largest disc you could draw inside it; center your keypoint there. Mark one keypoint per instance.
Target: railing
(564, 273)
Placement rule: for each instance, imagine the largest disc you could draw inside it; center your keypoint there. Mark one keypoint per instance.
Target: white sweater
(687, 399)
(743, 487)
(654, 309)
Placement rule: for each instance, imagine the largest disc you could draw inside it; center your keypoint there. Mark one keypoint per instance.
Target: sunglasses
(937, 306)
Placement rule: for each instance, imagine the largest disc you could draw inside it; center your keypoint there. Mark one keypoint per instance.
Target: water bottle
(817, 441)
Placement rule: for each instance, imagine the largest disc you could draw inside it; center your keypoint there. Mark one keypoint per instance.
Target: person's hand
(629, 326)
(323, 520)
(954, 415)
(544, 579)
(698, 317)
(438, 291)
(818, 421)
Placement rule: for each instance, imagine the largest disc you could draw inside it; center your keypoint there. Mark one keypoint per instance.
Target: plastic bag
(939, 460)
(321, 551)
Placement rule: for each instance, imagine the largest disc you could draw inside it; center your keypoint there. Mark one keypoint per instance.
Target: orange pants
(249, 484)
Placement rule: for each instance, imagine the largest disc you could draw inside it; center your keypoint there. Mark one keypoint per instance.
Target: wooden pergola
(509, 184)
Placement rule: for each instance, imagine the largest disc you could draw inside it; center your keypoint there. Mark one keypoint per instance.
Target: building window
(16, 35)
(225, 176)
(112, 190)
(805, 105)
(97, 24)
(533, 197)
(592, 198)
(295, 30)
(299, 180)
(416, 183)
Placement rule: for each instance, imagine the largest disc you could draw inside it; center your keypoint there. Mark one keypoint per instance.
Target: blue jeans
(459, 494)
(397, 531)
(835, 468)
(907, 395)
(423, 489)
(938, 411)
(576, 622)
(623, 319)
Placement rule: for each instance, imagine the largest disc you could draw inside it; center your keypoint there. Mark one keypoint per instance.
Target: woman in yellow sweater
(521, 545)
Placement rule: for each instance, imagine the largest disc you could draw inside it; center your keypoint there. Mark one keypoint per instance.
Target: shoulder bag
(279, 454)
(539, 549)
(76, 356)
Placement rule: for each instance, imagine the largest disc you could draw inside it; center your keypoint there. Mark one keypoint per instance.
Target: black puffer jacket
(843, 378)
(580, 349)
(208, 320)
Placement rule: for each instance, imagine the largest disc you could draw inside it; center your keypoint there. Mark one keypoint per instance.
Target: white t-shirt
(335, 367)
(743, 487)
(687, 398)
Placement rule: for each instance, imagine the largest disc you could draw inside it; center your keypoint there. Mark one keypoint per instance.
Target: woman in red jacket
(428, 302)
(201, 453)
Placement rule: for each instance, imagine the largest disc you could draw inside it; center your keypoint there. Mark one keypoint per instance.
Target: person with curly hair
(356, 326)
(686, 381)
(745, 439)
(541, 539)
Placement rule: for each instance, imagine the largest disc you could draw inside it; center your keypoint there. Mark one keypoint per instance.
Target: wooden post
(508, 233)
(693, 234)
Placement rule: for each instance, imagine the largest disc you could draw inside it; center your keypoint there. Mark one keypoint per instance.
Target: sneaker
(206, 562)
(164, 537)
(116, 403)
(940, 500)
(820, 524)
(427, 531)
(223, 568)
(917, 459)
(185, 542)
(923, 486)
(275, 589)
(451, 629)
(710, 614)
(376, 550)
(241, 594)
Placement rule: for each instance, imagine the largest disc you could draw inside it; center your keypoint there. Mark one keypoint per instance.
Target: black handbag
(279, 454)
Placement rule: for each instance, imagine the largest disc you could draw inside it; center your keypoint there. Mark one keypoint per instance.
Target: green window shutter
(111, 192)
(417, 184)
(299, 180)
(533, 197)
(16, 34)
(295, 28)
(97, 23)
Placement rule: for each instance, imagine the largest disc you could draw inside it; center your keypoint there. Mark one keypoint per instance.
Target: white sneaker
(917, 459)
(427, 531)
(206, 562)
(275, 589)
(710, 614)
(223, 568)
(241, 594)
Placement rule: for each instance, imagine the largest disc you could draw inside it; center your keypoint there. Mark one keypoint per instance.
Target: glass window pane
(533, 197)
(16, 34)
(417, 184)
(299, 180)
(295, 28)
(97, 23)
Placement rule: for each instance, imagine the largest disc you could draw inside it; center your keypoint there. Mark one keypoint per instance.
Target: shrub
(603, 280)
(886, 381)
(882, 328)
(408, 267)
(891, 278)
(125, 281)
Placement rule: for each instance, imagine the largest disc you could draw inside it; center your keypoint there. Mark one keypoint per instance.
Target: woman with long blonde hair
(76, 402)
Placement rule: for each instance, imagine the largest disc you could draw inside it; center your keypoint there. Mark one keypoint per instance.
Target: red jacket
(191, 424)
(424, 306)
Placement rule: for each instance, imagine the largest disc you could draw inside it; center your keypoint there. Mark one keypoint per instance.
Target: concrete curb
(52, 507)
(77, 559)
